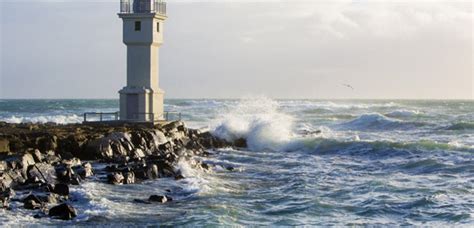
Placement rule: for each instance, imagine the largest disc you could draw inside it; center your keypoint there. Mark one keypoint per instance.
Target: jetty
(43, 160)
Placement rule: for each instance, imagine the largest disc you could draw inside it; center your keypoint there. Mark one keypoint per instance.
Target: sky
(231, 49)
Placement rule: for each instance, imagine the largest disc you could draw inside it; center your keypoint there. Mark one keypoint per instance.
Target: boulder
(17, 145)
(41, 172)
(158, 199)
(26, 160)
(84, 170)
(5, 197)
(32, 202)
(115, 178)
(67, 175)
(63, 211)
(152, 171)
(47, 142)
(61, 189)
(15, 178)
(129, 178)
(51, 159)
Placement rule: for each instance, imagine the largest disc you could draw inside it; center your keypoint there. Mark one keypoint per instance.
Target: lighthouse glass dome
(143, 6)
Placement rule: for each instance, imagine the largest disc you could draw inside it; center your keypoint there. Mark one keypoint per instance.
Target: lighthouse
(141, 100)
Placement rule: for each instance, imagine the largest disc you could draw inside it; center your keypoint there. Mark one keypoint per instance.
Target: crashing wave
(259, 122)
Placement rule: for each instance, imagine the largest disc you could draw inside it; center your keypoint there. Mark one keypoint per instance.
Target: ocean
(308, 162)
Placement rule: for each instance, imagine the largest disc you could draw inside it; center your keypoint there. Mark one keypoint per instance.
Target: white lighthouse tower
(142, 99)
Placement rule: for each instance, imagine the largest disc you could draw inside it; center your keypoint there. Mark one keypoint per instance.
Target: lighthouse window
(138, 25)
(158, 26)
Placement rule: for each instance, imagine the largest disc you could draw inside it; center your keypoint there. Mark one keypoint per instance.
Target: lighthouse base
(141, 104)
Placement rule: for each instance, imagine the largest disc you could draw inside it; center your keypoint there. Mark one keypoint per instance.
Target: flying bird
(348, 86)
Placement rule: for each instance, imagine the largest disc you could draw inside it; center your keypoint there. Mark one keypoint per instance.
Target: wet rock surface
(45, 159)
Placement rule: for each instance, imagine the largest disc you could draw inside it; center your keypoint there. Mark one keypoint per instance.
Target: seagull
(348, 86)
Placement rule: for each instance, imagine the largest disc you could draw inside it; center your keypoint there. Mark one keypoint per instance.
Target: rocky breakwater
(43, 160)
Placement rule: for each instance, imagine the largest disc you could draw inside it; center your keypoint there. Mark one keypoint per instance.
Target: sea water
(308, 162)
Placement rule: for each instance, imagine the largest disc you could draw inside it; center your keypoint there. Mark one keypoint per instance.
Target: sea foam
(59, 119)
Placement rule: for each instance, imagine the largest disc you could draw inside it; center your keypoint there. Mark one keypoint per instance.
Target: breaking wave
(59, 119)
(376, 121)
(259, 122)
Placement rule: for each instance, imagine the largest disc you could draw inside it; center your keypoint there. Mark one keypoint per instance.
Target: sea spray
(259, 122)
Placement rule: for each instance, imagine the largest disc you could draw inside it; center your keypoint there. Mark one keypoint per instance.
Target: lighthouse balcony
(143, 6)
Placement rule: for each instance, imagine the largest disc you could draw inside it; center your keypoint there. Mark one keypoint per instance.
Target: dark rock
(63, 211)
(32, 202)
(5, 197)
(179, 177)
(17, 145)
(41, 172)
(230, 168)
(52, 159)
(205, 166)
(76, 180)
(158, 199)
(67, 175)
(152, 171)
(241, 142)
(61, 189)
(85, 170)
(47, 142)
(72, 144)
(165, 147)
(129, 178)
(115, 178)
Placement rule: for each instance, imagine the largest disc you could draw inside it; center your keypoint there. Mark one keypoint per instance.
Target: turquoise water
(309, 162)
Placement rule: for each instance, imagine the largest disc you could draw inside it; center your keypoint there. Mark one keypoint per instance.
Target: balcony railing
(143, 6)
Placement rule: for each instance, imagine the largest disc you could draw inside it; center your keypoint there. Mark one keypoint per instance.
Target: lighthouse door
(132, 106)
